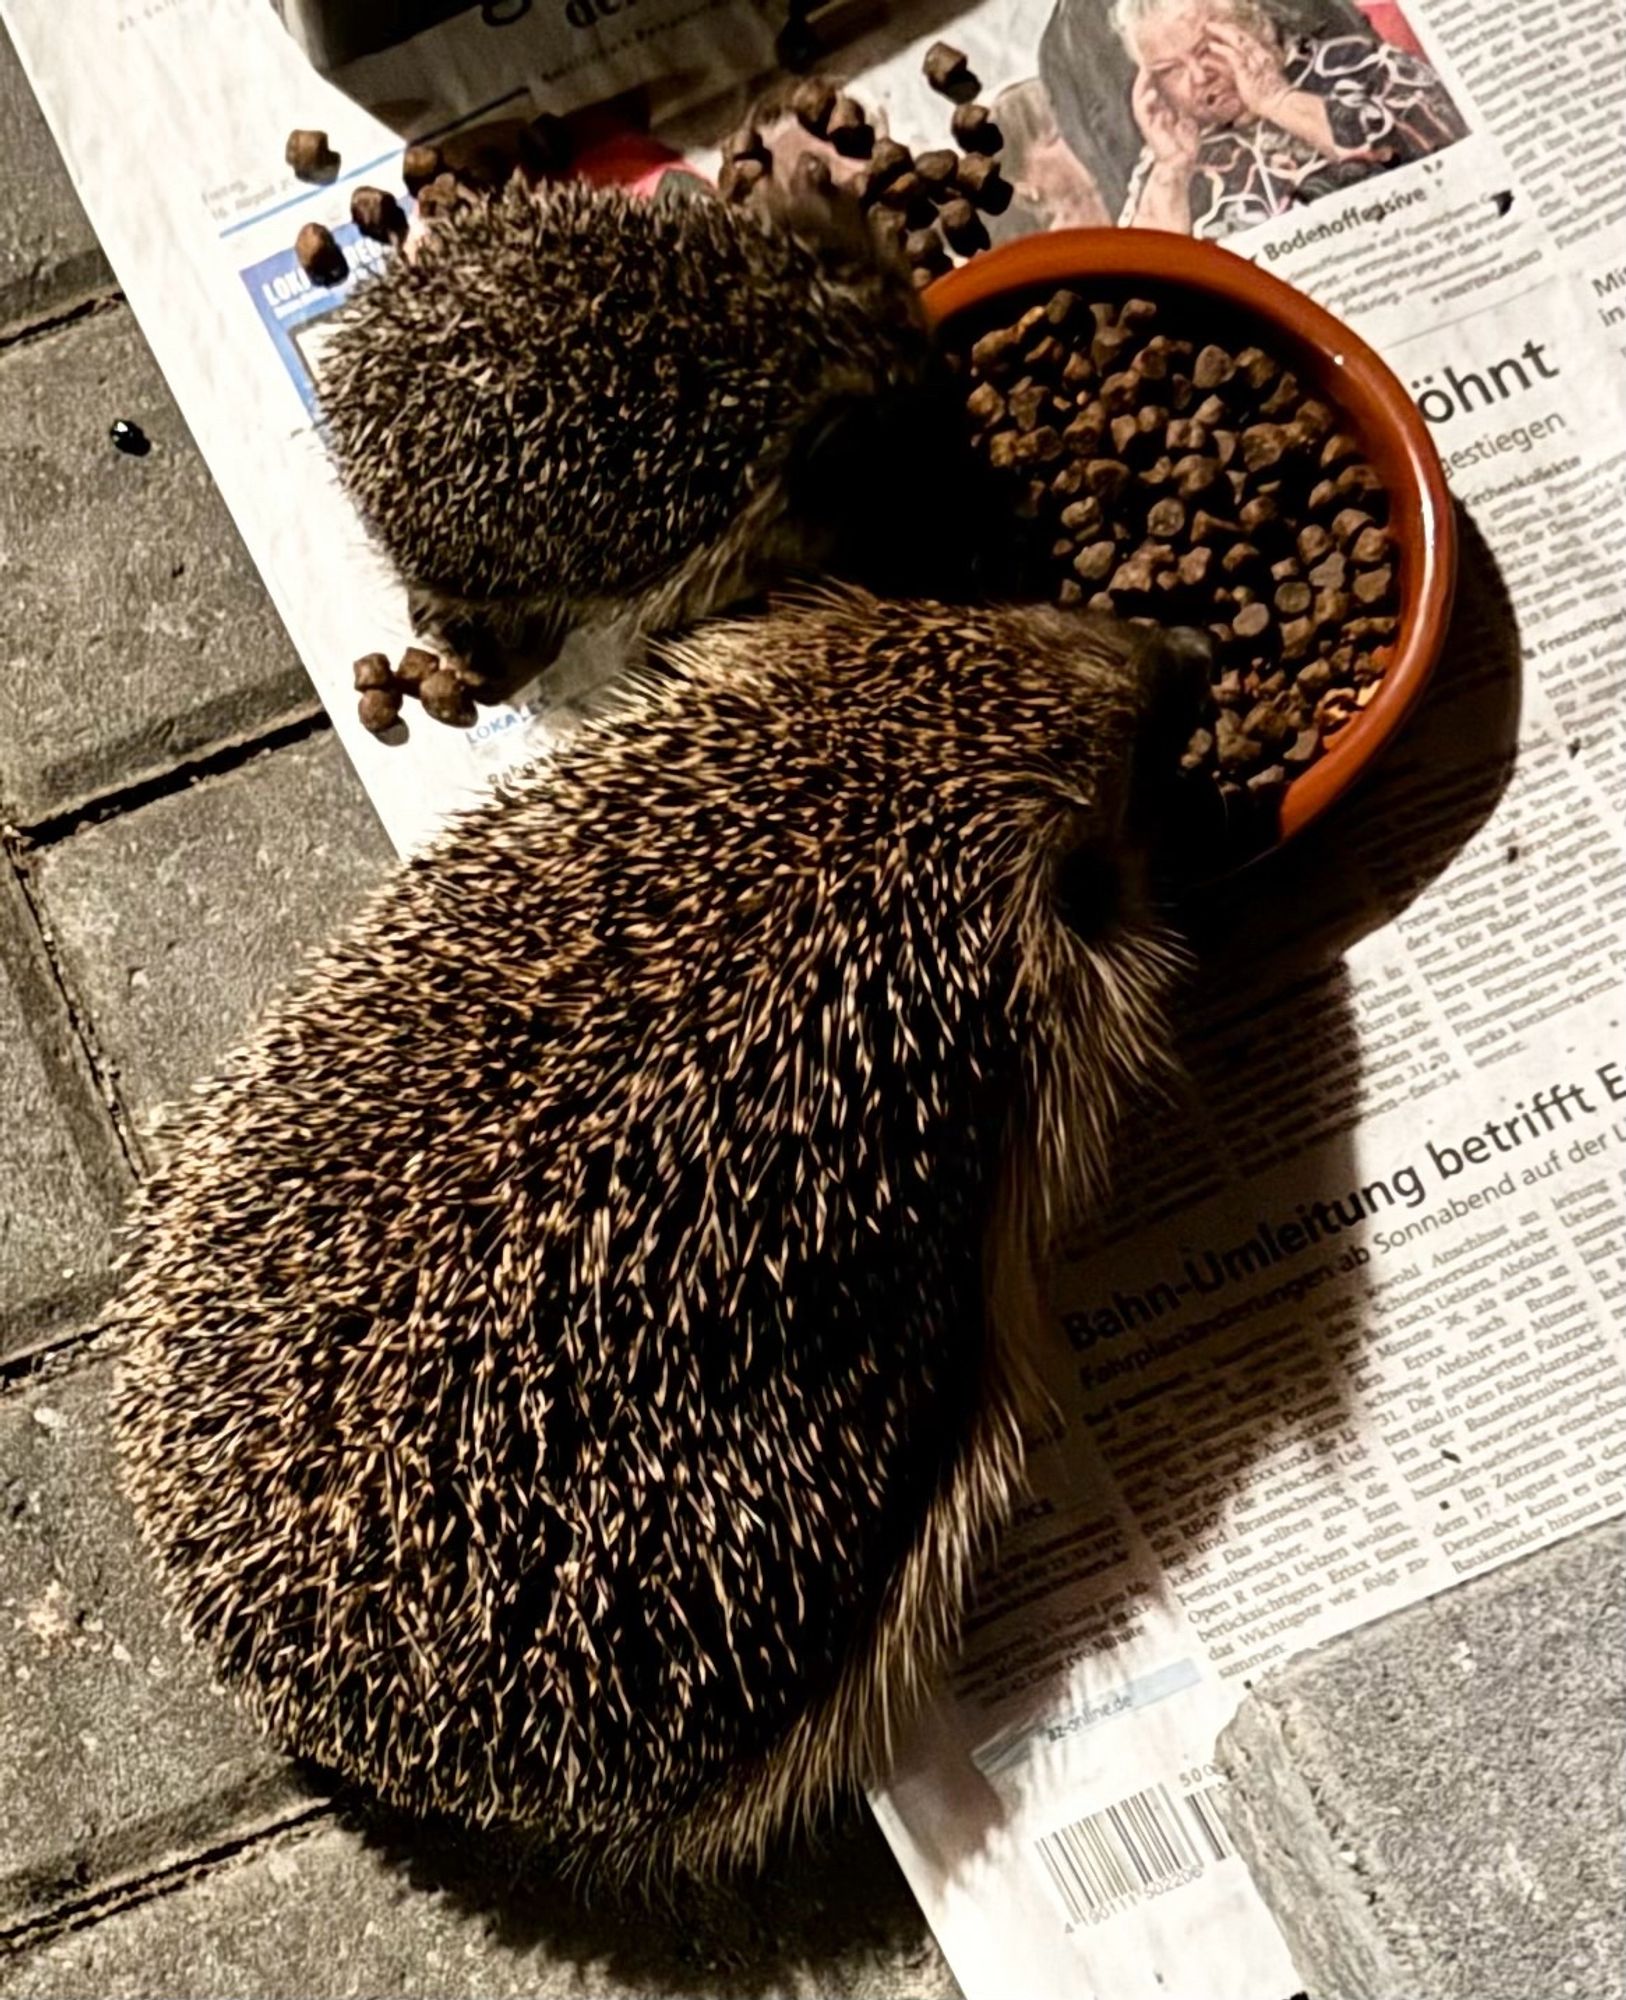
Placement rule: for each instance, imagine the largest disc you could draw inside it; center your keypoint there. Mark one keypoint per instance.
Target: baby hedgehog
(570, 406)
(582, 1343)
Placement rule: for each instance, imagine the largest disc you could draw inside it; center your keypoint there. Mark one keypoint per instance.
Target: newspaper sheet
(1352, 1332)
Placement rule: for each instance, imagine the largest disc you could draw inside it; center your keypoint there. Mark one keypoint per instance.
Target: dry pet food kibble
(947, 70)
(973, 126)
(310, 156)
(929, 207)
(380, 705)
(1196, 483)
(371, 671)
(479, 162)
(446, 688)
(979, 180)
(936, 169)
(813, 103)
(963, 227)
(380, 709)
(446, 699)
(320, 257)
(378, 215)
(441, 195)
(415, 666)
(419, 166)
(848, 129)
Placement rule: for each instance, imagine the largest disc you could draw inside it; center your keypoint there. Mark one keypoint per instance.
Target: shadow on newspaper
(1293, 1040)
(1214, 1319)
(1432, 793)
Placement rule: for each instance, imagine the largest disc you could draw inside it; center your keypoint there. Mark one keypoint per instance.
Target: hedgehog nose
(1189, 656)
(1177, 668)
(1180, 671)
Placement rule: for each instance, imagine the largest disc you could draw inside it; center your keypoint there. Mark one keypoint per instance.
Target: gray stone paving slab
(174, 924)
(49, 256)
(1433, 1806)
(62, 1174)
(137, 634)
(327, 1914)
(119, 1754)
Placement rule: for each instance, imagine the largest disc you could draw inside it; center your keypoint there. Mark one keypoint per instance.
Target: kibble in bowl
(1182, 437)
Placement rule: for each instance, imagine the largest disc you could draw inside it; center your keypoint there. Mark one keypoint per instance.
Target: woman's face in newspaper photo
(1201, 59)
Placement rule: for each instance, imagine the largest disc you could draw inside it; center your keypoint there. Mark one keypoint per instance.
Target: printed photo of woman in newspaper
(1210, 116)
(1052, 187)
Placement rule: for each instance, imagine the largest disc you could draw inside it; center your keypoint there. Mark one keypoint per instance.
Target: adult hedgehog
(565, 408)
(581, 1342)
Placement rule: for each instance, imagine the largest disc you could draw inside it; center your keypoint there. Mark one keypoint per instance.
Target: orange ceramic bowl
(1214, 294)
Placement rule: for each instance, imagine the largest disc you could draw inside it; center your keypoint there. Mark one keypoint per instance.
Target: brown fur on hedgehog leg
(568, 1386)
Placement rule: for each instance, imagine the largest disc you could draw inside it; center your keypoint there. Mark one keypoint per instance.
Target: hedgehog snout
(1103, 881)
(1178, 664)
(1175, 668)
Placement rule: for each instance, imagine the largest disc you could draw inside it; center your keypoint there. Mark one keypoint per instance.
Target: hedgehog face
(1175, 669)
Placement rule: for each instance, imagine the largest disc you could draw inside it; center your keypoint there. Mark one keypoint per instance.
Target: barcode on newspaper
(1144, 1845)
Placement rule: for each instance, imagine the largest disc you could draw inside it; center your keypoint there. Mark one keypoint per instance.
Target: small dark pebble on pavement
(130, 438)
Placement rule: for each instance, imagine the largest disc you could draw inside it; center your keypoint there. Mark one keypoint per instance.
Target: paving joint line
(217, 763)
(60, 1354)
(99, 1336)
(101, 1070)
(77, 1916)
(106, 300)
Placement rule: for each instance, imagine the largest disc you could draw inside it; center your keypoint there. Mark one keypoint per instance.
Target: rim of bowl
(1420, 509)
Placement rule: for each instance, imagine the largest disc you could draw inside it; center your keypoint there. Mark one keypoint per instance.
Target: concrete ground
(1432, 1805)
